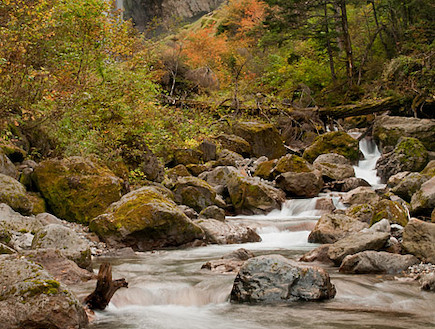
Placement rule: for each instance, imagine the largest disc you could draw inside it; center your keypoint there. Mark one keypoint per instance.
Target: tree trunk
(346, 41)
(106, 288)
(328, 42)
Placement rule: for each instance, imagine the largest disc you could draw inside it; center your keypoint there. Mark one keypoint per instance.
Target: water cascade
(366, 167)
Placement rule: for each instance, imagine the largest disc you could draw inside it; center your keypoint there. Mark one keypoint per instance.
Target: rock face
(225, 232)
(67, 241)
(13, 193)
(7, 167)
(334, 142)
(263, 138)
(333, 227)
(275, 279)
(377, 262)
(31, 298)
(355, 243)
(145, 219)
(334, 166)
(388, 130)
(408, 155)
(419, 240)
(423, 201)
(77, 189)
(304, 184)
(194, 192)
(252, 196)
(144, 11)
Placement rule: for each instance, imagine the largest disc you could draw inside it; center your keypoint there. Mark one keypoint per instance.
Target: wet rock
(333, 227)
(263, 138)
(250, 195)
(226, 232)
(408, 155)
(305, 184)
(194, 192)
(77, 189)
(334, 167)
(333, 142)
(387, 130)
(276, 279)
(349, 184)
(213, 212)
(145, 219)
(235, 143)
(409, 185)
(376, 262)
(360, 195)
(229, 158)
(423, 201)
(31, 298)
(229, 263)
(319, 254)
(419, 239)
(67, 241)
(7, 167)
(187, 156)
(60, 267)
(355, 243)
(13, 193)
(395, 212)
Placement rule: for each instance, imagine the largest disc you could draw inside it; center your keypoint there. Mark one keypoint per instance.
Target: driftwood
(106, 288)
(373, 106)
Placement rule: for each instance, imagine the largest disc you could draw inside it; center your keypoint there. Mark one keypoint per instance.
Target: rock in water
(31, 298)
(226, 232)
(276, 279)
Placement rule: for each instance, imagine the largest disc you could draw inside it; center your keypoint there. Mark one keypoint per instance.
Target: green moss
(393, 211)
(264, 170)
(292, 163)
(410, 148)
(46, 287)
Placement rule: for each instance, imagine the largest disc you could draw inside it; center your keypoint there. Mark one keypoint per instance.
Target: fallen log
(393, 104)
(105, 289)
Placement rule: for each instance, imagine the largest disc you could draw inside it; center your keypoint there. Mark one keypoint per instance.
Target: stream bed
(169, 290)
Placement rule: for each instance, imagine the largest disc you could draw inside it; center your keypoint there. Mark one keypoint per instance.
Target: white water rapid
(169, 290)
(366, 167)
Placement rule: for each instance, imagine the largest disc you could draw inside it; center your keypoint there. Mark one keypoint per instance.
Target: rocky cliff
(143, 11)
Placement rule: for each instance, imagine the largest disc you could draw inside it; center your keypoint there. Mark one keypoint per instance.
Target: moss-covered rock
(388, 130)
(265, 169)
(408, 155)
(409, 185)
(363, 212)
(333, 142)
(198, 169)
(423, 201)
(187, 156)
(77, 189)
(38, 203)
(253, 196)
(292, 163)
(395, 212)
(235, 143)
(13, 193)
(429, 170)
(263, 138)
(145, 219)
(31, 298)
(194, 192)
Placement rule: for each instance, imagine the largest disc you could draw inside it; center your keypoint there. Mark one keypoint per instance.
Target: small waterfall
(366, 167)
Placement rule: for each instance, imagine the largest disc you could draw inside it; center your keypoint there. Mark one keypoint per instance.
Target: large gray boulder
(7, 167)
(219, 176)
(377, 262)
(334, 167)
(145, 219)
(13, 193)
(387, 130)
(419, 240)
(67, 241)
(423, 201)
(355, 243)
(304, 184)
(276, 279)
(31, 298)
(333, 227)
(226, 232)
(408, 155)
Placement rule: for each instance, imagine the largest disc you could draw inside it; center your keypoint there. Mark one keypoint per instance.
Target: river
(168, 289)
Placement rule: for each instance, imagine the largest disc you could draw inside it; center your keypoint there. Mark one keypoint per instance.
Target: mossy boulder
(387, 130)
(31, 298)
(38, 203)
(363, 212)
(395, 212)
(250, 195)
(76, 188)
(194, 192)
(13, 193)
(333, 142)
(408, 155)
(265, 169)
(7, 167)
(292, 163)
(410, 184)
(187, 156)
(65, 240)
(429, 170)
(235, 143)
(145, 219)
(423, 201)
(304, 184)
(198, 169)
(264, 138)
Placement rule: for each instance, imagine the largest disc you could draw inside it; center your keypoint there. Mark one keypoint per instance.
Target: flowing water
(168, 289)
